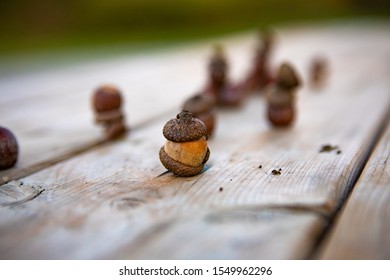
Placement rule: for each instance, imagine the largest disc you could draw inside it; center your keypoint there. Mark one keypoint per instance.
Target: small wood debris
(329, 148)
(276, 172)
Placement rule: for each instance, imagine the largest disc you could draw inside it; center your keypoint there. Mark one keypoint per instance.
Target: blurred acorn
(218, 85)
(281, 97)
(9, 149)
(106, 102)
(287, 77)
(260, 75)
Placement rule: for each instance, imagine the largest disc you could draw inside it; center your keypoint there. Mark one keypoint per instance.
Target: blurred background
(29, 26)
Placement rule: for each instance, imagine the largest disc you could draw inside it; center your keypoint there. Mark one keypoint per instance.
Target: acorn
(287, 77)
(281, 115)
(218, 67)
(260, 76)
(9, 149)
(202, 106)
(281, 98)
(219, 85)
(106, 102)
(185, 151)
(107, 98)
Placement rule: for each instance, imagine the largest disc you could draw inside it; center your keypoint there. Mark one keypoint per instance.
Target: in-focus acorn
(185, 152)
(9, 149)
(107, 102)
(281, 98)
(202, 106)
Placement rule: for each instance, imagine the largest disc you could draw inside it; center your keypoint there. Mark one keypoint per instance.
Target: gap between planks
(362, 228)
(332, 219)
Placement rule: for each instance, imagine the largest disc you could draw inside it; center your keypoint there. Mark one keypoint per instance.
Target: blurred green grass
(43, 25)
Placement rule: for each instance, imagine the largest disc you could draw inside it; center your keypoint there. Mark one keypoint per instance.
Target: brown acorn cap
(178, 168)
(199, 103)
(287, 77)
(184, 128)
(106, 98)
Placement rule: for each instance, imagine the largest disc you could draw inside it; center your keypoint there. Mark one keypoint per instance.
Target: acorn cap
(178, 168)
(184, 128)
(287, 77)
(199, 103)
(106, 98)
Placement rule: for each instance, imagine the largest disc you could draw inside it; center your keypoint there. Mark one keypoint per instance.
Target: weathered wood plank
(98, 204)
(50, 112)
(362, 229)
(235, 233)
(110, 202)
(83, 191)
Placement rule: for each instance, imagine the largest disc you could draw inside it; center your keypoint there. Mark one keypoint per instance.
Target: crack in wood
(11, 192)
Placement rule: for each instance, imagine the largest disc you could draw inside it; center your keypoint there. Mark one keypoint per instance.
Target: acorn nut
(9, 148)
(106, 98)
(281, 98)
(106, 102)
(219, 85)
(260, 75)
(185, 151)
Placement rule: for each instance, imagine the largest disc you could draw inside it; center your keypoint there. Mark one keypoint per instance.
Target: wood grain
(116, 201)
(50, 113)
(362, 229)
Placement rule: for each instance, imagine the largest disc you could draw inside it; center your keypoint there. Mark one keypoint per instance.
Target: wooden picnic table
(72, 195)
